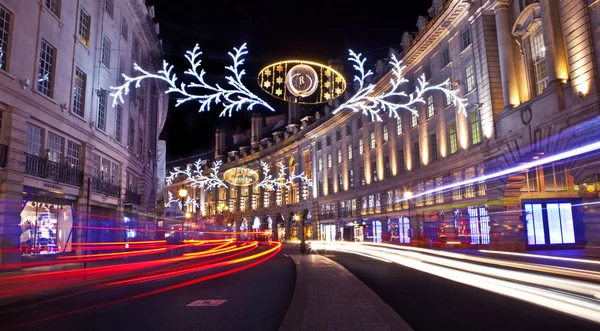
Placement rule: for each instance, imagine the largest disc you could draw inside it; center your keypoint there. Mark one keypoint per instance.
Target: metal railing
(132, 197)
(3, 155)
(60, 173)
(103, 186)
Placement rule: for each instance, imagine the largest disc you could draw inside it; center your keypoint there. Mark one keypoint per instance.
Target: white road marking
(206, 303)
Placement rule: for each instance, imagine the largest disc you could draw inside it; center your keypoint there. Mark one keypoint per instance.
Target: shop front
(552, 224)
(47, 223)
(470, 226)
(398, 230)
(372, 231)
(329, 232)
(105, 225)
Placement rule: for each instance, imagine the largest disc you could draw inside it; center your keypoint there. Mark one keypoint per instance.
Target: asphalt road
(256, 299)
(427, 302)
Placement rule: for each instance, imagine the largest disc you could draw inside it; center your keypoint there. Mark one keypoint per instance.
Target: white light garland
(236, 98)
(196, 177)
(269, 183)
(170, 200)
(367, 102)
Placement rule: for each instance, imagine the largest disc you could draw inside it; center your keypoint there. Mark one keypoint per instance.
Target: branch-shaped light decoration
(234, 98)
(369, 103)
(270, 183)
(196, 176)
(170, 201)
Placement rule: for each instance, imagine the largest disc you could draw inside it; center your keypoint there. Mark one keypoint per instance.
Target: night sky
(274, 31)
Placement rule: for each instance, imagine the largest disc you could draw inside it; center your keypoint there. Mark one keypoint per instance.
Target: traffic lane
(427, 302)
(257, 299)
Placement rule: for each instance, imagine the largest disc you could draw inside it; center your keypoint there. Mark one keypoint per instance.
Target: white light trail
(569, 296)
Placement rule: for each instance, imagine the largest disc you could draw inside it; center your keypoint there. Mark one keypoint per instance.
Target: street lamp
(183, 193)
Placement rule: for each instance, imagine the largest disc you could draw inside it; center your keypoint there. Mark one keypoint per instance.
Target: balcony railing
(103, 186)
(3, 155)
(132, 197)
(60, 173)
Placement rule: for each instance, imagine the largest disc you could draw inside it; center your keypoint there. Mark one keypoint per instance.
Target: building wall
(31, 23)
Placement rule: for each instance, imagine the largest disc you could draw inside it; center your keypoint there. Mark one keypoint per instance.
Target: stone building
(65, 151)
(529, 72)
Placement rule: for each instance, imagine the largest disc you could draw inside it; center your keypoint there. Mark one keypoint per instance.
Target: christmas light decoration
(371, 103)
(270, 183)
(170, 201)
(235, 98)
(196, 176)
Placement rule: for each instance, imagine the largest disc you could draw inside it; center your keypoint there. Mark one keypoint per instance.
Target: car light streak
(558, 258)
(258, 257)
(533, 288)
(130, 253)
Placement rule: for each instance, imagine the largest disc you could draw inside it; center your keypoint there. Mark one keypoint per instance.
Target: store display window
(46, 227)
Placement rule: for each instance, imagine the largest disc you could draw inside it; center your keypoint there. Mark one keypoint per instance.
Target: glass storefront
(46, 226)
(372, 231)
(549, 223)
(328, 232)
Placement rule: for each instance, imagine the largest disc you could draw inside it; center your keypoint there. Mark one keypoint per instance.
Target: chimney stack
(257, 127)
(219, 143)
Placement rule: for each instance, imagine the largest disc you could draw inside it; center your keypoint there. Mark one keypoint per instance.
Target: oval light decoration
(302, 81)
(241, 176)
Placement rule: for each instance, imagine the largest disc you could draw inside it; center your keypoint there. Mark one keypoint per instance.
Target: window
(319, 145)
(83, 28)
(131, 135)
(105, 55)
(447, 98)
(56, 144)
(120, 78)
(339, 156)
(340, 182)
(34, 139)
(109, 7)
(53, 6)
(427, 72)
(439, 196)
(101, 120)
(452, 137)
(329, 163)
(320, 164)
(479, 225)
(119, 124)
(46, 69)
(400, 161)
(124, 29)
(5, 21)
(328, 140)
(387, 170)
(445, 57)
(351, 178)
(131, 182)
(558, 219)
(349, 152)
(466, 38)
(414, 120)
(399, 126)
(374, 171)
(79, 92)
(481, 186)
(555, 178)
(73, 152)
(470, 76)
(429, 197)
(475, 129)
(386, 135)
(470, 188)
(96, 165)
(430, 107)
(433, 150)
(361, 148)
(338, 135)
(372, 141)
(531, 181)
(348, 129)
(416, 155)
(362, 176)
(538, 59)
(359, 123)
(457, 177)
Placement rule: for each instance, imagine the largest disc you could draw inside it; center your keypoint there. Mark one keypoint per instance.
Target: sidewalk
(329, 297)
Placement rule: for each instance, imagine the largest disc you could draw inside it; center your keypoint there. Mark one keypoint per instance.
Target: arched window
(537, 52)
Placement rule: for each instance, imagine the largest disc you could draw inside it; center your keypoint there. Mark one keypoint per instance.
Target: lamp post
(408, 196)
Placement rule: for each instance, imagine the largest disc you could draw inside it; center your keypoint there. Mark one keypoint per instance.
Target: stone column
(11, 188)
(87, 164)
(510, 88)
(556, 55)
